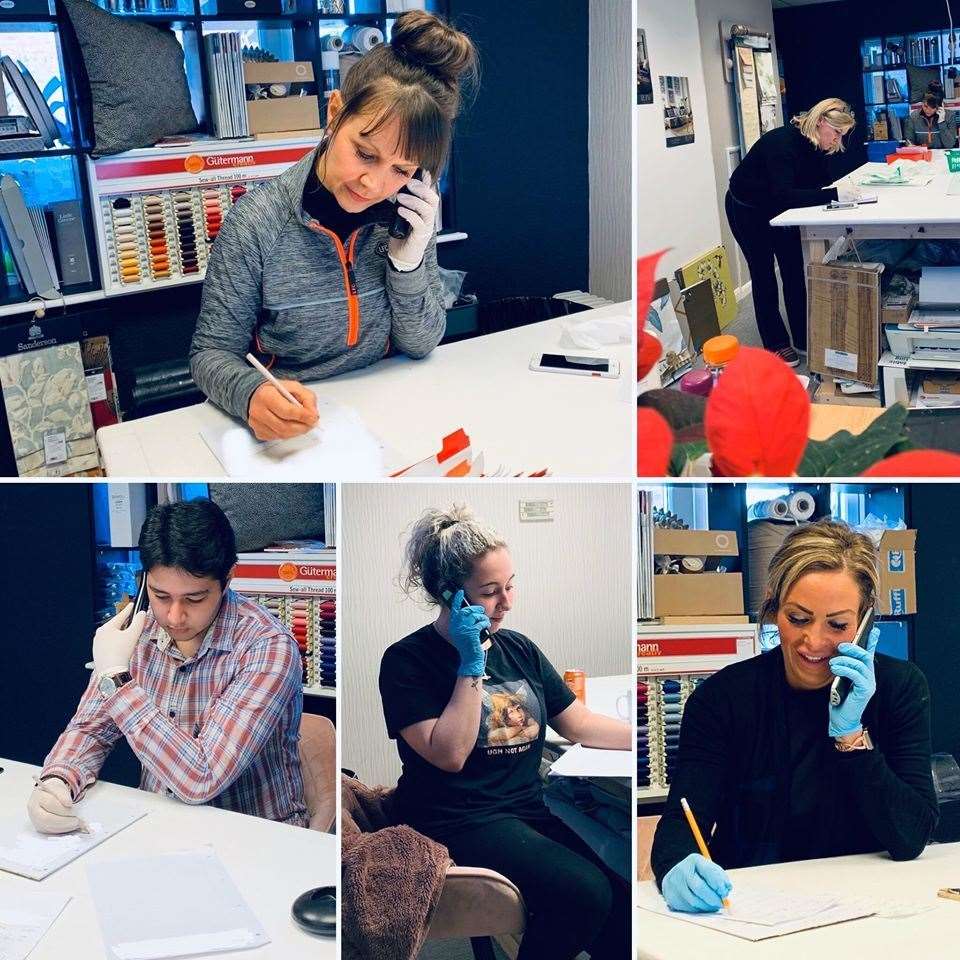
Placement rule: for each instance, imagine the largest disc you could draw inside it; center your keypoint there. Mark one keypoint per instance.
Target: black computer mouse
(316, 911)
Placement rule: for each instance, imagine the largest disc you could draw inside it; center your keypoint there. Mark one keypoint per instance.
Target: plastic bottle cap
(699, 382)
(720, 350)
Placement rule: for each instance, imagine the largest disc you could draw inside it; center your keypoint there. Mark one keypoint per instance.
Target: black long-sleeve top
(756, 759)
(782, 170)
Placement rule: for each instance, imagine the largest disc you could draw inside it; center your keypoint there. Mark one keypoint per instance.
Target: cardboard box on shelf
(843, 319)
(897, 307)
(700, 595)
(281, 96)
(898, 584)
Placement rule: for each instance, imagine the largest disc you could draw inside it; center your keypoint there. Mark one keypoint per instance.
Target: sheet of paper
(939, 287)
(25, 916)
(132, 899)
(648, 898)
(580, 761)
(339, 447)
(773, 907)
(35, 855)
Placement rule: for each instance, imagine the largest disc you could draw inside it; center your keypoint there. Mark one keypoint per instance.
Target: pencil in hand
(698, 836)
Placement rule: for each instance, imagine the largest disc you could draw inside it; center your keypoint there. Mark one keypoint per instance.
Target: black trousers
(574, 902)
(760, 243)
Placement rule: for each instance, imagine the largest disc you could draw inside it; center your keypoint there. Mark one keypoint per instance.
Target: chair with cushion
(646, 828)
(318, 765)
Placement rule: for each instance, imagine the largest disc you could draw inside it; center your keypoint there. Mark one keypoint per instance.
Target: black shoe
(789, 356)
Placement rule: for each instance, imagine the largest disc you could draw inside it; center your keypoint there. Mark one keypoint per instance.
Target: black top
(782, 170)
(501, 777)
(756, 758)
(320, 203)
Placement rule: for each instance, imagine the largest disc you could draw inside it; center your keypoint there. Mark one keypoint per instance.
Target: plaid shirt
(221, 728)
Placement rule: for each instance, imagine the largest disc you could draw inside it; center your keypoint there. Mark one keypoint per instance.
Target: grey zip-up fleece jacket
(278, 283)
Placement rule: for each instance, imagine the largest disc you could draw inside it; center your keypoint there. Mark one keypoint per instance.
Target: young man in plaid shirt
(206, 687)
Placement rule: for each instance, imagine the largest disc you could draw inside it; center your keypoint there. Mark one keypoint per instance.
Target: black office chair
(513, 312)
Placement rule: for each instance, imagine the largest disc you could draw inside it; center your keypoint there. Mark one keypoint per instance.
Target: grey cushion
(261, 513)
(138, 88)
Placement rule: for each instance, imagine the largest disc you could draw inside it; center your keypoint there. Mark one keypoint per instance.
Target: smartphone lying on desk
(582, 366)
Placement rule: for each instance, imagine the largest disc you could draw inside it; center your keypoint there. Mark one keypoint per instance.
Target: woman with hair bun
(772, 769)
(932, 126)
(303, 272)
(469, 715)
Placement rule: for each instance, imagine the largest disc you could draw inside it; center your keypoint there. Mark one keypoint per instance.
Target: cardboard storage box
(897, 307)
(697, 594)
(843, 320)
(898, 583)
(281, 96)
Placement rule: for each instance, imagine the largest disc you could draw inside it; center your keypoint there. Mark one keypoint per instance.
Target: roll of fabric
(778, 509)
(801, 506)
(764, 538)
(363, 39)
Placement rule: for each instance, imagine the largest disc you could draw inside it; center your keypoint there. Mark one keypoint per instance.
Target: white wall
(676, 188)
(611, 57)
(572, 597)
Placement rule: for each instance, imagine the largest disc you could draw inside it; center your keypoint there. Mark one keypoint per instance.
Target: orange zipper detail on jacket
(349, 282)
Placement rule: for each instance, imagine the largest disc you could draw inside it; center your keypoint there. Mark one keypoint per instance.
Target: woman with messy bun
(932, 126)
(304, 273)
(468, 703)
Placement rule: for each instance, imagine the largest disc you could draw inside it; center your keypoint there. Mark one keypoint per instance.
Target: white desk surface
(573, 425)
(929, 204)
(271, 864)
(929, 934)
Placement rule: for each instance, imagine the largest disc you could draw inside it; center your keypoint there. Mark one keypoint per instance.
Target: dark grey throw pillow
(137, 85)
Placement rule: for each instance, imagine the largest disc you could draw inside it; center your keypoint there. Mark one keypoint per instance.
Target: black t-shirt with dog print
(501, 775)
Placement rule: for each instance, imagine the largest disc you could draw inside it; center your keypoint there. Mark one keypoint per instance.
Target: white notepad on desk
(25, 916)
(25, 851)
(339, 447)
(140, 921)
(580, 761)
(758, 913)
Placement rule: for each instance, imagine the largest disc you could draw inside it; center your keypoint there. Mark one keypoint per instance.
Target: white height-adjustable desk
(573, 425)
(931, 935)
(900, 213)
(270, 863)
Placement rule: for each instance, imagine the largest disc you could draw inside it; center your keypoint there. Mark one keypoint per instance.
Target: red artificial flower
(654, 443)
(648, 347)
(757, 417)
(916, 463)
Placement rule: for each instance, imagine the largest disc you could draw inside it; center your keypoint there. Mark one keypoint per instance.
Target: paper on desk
(648, 898)
(25, 916)
(773, 907)
(580, 761)
(132, 898)
(340, 446)
(25, 851)
(593, 333)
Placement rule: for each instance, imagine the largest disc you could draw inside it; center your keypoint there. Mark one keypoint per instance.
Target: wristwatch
(110, 683)
(861, 742)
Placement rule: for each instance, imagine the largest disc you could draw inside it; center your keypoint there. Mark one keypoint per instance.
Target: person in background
(787, 167)
(931, 126)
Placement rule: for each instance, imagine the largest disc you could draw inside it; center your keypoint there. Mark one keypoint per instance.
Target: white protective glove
(848, 191)
(419, 208)
(113, 645)
(51, 807)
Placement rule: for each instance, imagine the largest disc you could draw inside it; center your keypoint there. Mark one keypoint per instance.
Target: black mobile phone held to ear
(400, 228)
(841, 686)
(447, 597)
(141, 601)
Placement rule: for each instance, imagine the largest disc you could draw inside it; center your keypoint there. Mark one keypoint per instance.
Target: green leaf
(682, 452)
(680, 410)
(846, 455)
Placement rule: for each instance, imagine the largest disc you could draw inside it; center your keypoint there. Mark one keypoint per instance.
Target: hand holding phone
(469, 628)
(853, 666)
(141, 601)
(400, 228)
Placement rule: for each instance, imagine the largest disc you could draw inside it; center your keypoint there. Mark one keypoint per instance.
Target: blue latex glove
(856, 664)
(696, 885)
(465, 626)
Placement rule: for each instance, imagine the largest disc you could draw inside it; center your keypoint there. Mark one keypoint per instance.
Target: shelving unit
(60, 174)
(884, 62)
